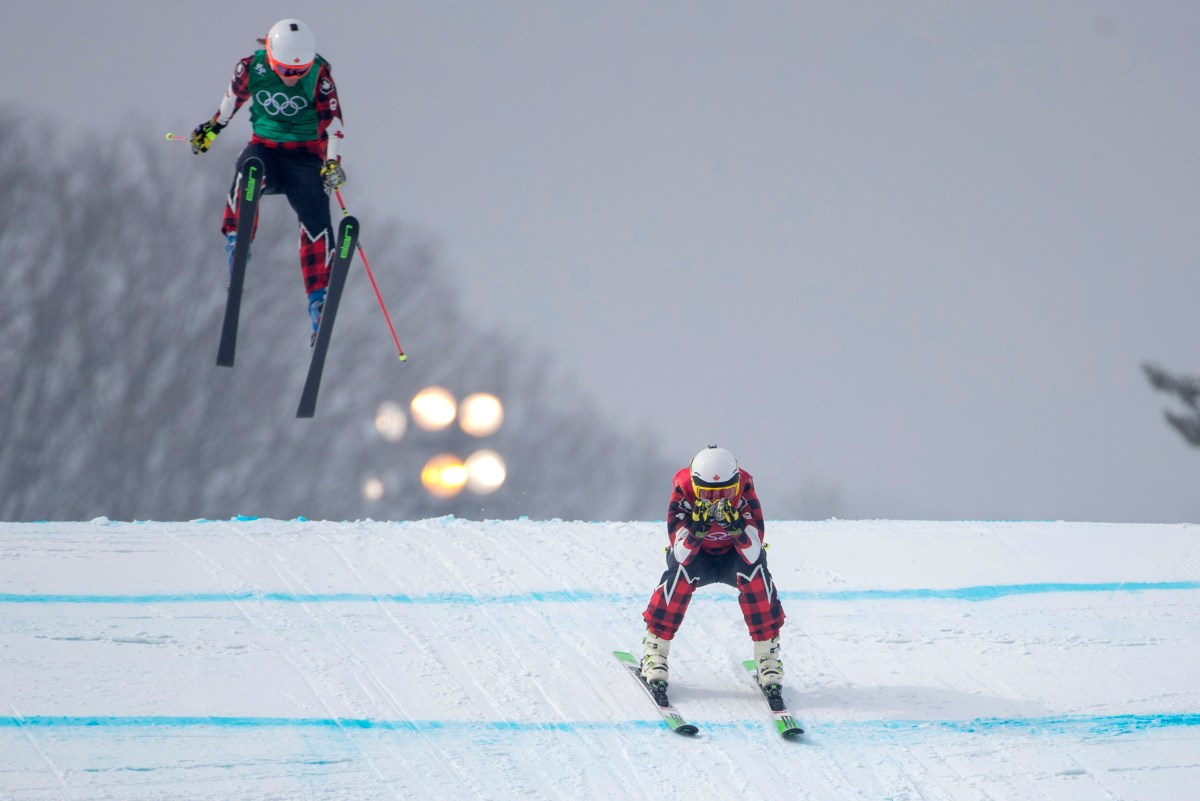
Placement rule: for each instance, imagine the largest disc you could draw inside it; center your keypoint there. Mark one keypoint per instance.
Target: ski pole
(177, 138)
(362, 254)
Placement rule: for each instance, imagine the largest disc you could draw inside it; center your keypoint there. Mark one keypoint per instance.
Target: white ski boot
(654, 658)
(770, 665)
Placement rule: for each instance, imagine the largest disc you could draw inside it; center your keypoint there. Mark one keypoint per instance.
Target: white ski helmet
(715, 474)
(291, 46)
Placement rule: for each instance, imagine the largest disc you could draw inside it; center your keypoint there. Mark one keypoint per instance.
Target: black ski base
(774, 695)
(658, 691)
(345, 244)
(249, 190)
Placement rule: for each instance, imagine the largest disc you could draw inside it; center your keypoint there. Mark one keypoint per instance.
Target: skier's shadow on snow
(900, 702)
(907, 701)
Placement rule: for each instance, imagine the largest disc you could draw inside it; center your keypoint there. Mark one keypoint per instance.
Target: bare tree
(1187, 389)
(114, 288)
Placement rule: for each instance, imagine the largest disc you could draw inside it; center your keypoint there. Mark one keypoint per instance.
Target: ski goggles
(284, 71)
(712, 494)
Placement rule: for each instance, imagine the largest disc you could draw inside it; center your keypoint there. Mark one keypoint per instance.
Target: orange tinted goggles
(284, 71)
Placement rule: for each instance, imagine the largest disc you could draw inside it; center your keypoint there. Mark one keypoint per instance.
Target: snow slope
(265, 659)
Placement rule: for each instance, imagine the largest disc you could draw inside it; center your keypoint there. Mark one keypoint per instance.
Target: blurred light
(444, 475)
(481, 414)
(433, 408)
(390, 421)
(372, 489)
(485, 472)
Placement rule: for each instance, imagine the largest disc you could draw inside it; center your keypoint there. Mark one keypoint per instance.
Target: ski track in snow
(264, 659)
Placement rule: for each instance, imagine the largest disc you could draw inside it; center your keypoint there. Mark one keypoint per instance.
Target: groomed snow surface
(265, 659)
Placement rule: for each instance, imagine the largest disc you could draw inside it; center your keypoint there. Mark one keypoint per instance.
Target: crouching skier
(715, 529)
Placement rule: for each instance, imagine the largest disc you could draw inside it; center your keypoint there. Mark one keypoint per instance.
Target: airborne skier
(715, 529)
(297, 134)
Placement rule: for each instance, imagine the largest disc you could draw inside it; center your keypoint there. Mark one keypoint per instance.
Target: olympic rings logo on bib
(279, 104)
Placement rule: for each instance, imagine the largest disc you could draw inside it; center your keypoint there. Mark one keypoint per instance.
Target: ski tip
(686, 729)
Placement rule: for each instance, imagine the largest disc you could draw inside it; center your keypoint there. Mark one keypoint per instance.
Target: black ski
(249, 190)
(339, 268)
(668, 712)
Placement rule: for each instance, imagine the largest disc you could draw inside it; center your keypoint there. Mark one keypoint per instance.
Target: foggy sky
(913, 253)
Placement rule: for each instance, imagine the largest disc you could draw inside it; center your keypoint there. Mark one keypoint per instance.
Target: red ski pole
(362, 254)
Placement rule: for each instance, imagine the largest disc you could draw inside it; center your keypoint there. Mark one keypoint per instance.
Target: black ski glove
(205, 134)
(333, 175)
(727, 517)
(701, 519)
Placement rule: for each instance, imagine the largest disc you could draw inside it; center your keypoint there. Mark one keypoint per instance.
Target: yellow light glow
(372, 489)
(390, 421)
(481, 414)
(485, 472)
(433, 408)
(444, 475)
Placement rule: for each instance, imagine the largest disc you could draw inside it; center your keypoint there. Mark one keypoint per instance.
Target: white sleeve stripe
(333, 146)
(228, 103)
(681, 550)
(752, 553)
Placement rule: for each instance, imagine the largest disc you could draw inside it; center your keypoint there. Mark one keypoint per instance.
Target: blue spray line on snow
(1076, 725)
(980, 593)
(364, 724)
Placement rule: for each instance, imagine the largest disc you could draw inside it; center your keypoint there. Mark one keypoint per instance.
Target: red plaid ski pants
(757, 595)
(297, 175)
